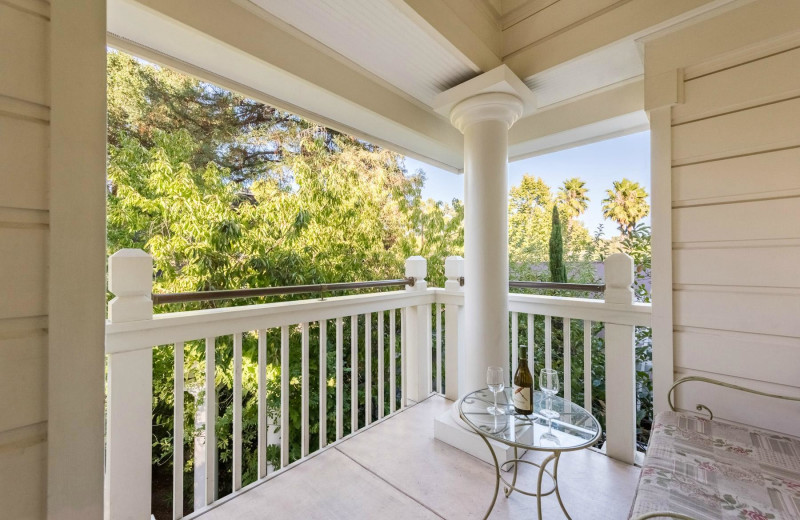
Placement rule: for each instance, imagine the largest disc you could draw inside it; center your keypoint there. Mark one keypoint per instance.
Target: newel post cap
(454, 272)
(619, 278)
(130, 279)
(417, 268)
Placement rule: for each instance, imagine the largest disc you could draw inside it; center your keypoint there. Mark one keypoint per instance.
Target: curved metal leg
(497, 475)
(545, 462)
(555, 480)
(510, 489)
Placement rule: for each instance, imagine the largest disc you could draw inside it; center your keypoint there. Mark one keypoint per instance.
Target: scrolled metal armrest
(701, 407)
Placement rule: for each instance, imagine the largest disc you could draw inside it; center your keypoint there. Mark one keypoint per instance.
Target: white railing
(425, 343)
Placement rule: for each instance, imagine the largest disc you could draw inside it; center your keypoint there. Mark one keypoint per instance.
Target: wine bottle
(523, 385)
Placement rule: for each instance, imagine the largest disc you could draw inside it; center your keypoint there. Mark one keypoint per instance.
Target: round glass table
(572, 429)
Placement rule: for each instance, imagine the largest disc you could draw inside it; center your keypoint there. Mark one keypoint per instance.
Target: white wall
(734, 209)
(52, 138)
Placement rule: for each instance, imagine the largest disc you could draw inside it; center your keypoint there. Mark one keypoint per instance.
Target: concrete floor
(396, 469)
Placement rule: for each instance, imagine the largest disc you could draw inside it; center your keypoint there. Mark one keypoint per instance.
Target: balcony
(382, 454)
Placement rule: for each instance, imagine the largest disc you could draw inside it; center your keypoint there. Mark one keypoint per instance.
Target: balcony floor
(396, 469)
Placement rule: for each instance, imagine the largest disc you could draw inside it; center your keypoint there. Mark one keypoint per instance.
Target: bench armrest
(702, 407)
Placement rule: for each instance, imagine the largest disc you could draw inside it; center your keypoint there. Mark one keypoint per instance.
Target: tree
(626, 205)
(572, 197)
(558, 271)
(226, 193)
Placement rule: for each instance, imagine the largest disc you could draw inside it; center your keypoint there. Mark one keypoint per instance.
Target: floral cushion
(711, 470)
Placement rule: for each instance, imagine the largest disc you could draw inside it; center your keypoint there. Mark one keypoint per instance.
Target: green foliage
(626, 204)
(558, 271)
(573, 198)
(227, 193)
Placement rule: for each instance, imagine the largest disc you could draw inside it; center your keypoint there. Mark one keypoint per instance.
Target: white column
(418, 352)
(130, 391)
(485, 119)
(620, 368)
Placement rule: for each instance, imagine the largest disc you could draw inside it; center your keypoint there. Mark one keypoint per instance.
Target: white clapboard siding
(756, 82)
(23, 379)
(743, 266)
(24, 163)
(22, 492)
(758, 129)
(752, 356)
(758, 311)
(24, 271)
(24, 41)
(755, 220)
(739, 178)
(736, 232)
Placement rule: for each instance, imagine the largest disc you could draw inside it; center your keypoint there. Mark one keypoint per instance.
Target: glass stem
(495, 402)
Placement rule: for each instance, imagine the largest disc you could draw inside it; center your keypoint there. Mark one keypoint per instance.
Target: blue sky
(598, 164)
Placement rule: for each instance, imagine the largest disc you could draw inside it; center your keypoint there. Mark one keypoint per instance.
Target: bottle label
(522, 398)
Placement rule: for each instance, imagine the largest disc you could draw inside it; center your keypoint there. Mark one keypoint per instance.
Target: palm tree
(626, 205)
(572, 197)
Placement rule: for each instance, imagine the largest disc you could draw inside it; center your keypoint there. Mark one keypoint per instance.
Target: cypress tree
(558, 271)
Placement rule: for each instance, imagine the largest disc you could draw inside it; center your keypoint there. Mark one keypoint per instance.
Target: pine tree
(558, 271)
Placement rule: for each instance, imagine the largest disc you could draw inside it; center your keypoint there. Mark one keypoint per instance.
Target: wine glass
(494, 379)
(548, 383)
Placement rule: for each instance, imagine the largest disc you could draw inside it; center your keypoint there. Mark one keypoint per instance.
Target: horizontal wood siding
(24, 142)
(736, 235)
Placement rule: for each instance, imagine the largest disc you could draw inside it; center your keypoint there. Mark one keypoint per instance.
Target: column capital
(492, 106)
(496, 95)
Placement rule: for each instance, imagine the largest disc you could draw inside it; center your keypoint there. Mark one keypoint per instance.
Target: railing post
(130, 392)
(620, 368)
(453, 325)
(418, 352)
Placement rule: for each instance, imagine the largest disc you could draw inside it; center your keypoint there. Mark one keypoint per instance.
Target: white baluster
(262, 404)
(323, 383)
(304, 391)
(381, 371)
(531, 346)
(439, 368)
(367, 368)
(548, 342)
(284, 396)
(353, 374)
(620, 368)
(177, 445)
(210, 403)
(392, 360)
(567, 361)
(514, 343)
(339, 378)
(587, 365)
(237, 411)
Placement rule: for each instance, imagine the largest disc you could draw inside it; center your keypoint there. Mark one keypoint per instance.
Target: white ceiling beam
(612, 112)
(467, 27)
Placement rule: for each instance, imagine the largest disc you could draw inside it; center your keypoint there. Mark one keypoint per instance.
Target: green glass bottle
(523, 385)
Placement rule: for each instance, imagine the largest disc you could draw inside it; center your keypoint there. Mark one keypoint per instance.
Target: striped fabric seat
(712, 470)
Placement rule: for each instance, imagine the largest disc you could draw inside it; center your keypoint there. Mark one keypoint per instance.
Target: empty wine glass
(494, 379)
(548, 383)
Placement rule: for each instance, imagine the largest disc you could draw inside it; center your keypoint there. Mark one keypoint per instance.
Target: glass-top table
(573, 428)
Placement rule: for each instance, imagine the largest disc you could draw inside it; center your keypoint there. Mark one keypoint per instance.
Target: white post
(418, 357)
(620, 368)
(485, 119)
(453, 327)
(130, 391)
